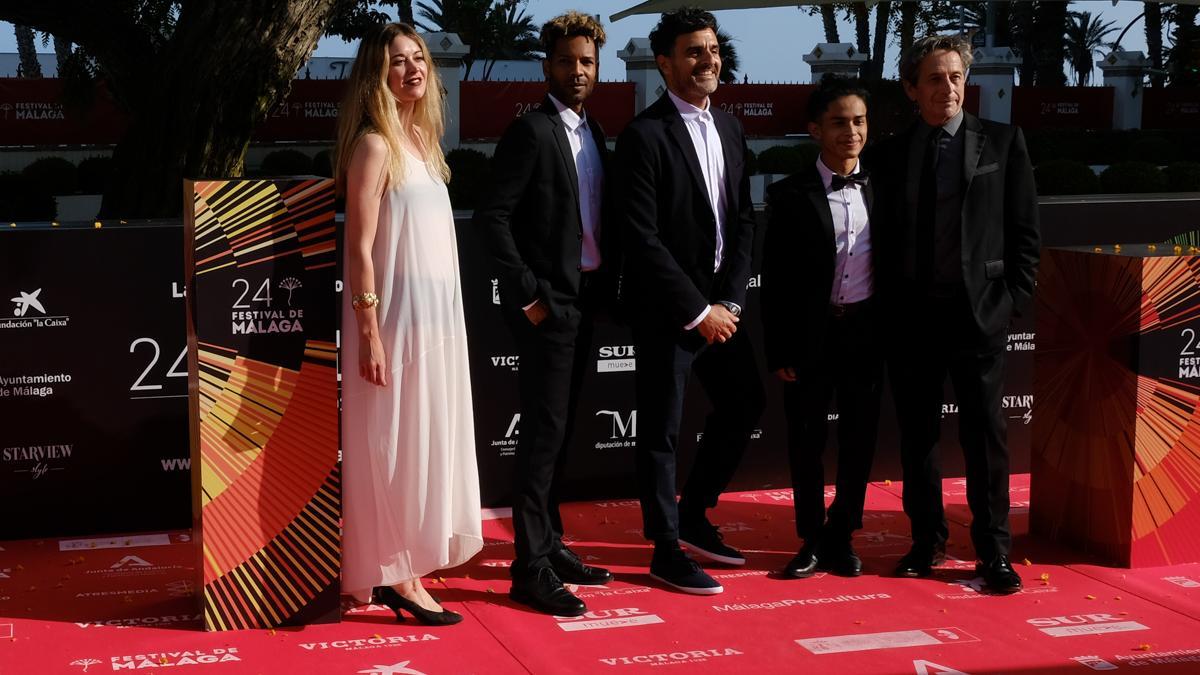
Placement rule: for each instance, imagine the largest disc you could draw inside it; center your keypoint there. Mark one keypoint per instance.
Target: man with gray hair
(958, 250)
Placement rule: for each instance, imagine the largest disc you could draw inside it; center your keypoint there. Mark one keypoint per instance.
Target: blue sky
(770, 42)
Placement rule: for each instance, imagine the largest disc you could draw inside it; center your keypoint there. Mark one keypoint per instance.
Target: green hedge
(286, 163)
(22, 199)
(94, 174)
(787, 159)
(1111, 147)
(1065, 177)
(1183, 177)
(52, 175)
(1133, 177)
(323, 163)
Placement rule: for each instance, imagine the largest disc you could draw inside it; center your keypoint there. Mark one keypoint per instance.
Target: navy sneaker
(674, 568)
(703, 538)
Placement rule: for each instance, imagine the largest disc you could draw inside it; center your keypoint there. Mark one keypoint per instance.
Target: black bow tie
(839, 182)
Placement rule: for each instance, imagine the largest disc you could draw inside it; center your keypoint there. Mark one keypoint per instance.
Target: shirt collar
(569, 117)
(951, 126)
(690, 112)
(827, 173)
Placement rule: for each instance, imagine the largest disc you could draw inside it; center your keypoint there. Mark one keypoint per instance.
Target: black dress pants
(940, 337)
(553, 360)
(849, 366)
(730, 377)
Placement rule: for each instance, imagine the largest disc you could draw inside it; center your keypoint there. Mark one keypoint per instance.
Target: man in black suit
(959, 251)
(820, 325)
(687, 227)
(542, 223)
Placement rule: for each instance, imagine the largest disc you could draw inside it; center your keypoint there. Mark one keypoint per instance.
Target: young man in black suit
(821, 325)
(542, 221)
(958, 251)
(687, 227)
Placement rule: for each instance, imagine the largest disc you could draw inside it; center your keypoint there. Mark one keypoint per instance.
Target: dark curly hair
(679, 22)
(831, 88)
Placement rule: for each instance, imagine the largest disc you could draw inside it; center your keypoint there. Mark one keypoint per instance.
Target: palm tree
(1085, 36)
(1049, 42)
(1181, 59)
(908, 24)
(883, 16)
(514, 35)
(729, 58)
(1154, 41)
(829, 19)
(468, 18)
(27, 51)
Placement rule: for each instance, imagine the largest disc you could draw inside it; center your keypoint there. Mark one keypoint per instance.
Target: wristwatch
(733, 307)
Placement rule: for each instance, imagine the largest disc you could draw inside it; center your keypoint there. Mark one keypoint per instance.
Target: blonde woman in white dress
(410, 486)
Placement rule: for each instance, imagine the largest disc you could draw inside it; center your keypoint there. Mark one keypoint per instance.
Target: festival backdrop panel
(1116, 444)
(93, 380)
(600, 461)
(262, 264)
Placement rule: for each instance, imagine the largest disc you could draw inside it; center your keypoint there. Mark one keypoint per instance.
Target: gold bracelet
(364, 301)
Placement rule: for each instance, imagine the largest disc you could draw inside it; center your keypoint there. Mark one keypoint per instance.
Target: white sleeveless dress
(410, 486)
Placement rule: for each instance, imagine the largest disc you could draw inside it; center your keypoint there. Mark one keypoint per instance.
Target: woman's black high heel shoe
(387, 595)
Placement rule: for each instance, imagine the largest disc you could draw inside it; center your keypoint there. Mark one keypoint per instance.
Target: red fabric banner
(1171, 108)
(1063, 107)
(308, 114)
(32, 112)
(766, 109)
(487, 108)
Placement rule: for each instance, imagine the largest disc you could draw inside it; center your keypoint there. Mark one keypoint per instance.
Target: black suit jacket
(530, 217)
(799, 258)
(1000, 233)
(667, 226)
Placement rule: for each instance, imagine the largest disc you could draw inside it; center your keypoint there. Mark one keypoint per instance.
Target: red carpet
(1073, 615)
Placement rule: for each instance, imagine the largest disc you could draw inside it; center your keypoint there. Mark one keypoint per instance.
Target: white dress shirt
(707, 143)
(853, 280)
(590, 172)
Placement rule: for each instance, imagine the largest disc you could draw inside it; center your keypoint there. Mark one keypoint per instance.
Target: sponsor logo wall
(96, 403)
(93, 383)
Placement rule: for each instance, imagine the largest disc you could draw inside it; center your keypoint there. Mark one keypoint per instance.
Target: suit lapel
(973, 144)
(814, 189)
(677, 130)
(564, 146)
(726, 131)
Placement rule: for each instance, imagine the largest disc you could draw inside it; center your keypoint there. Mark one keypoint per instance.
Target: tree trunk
(883, 16)
(62, 51)
(1023, 41)
(862, 34)
(1003, 31)
(829, 19)
(1154, 45)
(404, 12)
(194, 115)
(908, 25)
(194, 100)
(28, 65)
(1049, 48)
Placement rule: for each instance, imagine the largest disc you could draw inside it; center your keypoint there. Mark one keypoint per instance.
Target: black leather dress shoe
(572, 570)
(804, 564)
(999, 575)
(840, 559)
(919, 561)
(544, 592)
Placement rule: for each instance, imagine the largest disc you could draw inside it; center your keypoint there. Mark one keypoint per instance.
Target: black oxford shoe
(572, 570)
(999, 575)
(544, 592)
(804, 564)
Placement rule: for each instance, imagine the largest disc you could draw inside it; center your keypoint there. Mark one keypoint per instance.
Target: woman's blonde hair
(370, 107)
